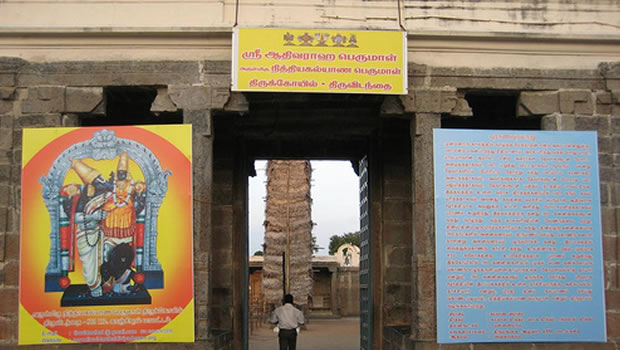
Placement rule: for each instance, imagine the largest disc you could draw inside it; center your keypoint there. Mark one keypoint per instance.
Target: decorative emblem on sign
(321, 38)
(352, 41)
(339, 40)
(288, 37)
(306, 40)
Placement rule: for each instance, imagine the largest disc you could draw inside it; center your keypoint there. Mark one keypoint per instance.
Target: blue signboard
(518, 236)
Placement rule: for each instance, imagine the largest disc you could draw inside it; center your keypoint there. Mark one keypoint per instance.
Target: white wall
(526, 33)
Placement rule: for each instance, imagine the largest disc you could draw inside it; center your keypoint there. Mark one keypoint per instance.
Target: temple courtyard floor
(329, 334)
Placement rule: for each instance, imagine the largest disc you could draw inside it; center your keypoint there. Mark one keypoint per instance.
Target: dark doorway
(279, 126)
(131, 105)
(492, 110)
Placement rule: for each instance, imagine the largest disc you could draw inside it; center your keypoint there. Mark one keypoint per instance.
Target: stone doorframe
(387, 141)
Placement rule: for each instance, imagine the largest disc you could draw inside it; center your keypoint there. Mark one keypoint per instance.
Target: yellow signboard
(319, 60)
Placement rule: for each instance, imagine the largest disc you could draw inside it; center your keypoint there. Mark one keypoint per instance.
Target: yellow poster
(106, 235)
(319, 60)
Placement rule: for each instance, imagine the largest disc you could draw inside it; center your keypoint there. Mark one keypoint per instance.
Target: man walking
(288, 318)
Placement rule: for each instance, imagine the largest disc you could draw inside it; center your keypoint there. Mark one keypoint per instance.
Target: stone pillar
(220, 240)
(423, 288)
(202, 158)
(240, 249)
(198, 104)
(396, 221)
(334, 290)
(10, 158)
(427, 105)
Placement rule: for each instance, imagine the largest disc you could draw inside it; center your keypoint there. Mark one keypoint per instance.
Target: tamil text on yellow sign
(319, 60)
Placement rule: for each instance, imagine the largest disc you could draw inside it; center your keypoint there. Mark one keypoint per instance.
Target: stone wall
(564, 100)
(60, 94)
(542, 17)
(349, 291)
(542, 34)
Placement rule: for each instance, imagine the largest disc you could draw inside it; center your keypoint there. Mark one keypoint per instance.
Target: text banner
(518, 237)
(319, 60)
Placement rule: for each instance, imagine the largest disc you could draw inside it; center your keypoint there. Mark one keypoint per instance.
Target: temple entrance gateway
(280, 208)
(310, 126)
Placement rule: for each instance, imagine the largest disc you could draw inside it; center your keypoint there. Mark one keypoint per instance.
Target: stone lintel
(236, 103)
(198, 98)
(219, 97)
(188, 97)
(538, 103)
(462, 108)
(509, 78)
(163, 102)
(83, 99)
(430, 100)
(109, 73)
(44, 99)
(392, 105)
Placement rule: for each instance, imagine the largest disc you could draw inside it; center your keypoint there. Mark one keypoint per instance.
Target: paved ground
(321, 334)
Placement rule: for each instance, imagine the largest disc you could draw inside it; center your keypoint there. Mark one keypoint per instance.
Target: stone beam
(84, 100)
(538, 103)
(163, 102)
(430, 100)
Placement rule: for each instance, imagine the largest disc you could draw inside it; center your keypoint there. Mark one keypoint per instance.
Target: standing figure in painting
(80, 221)
(124, 223)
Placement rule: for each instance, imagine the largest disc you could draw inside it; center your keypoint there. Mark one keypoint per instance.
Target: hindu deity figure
(80, 225)
(124, 222)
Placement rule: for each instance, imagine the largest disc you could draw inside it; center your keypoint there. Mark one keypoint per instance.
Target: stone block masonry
(566, 100)
(59, 94)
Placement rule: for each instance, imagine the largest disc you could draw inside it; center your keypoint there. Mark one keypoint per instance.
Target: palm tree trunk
(288, 229)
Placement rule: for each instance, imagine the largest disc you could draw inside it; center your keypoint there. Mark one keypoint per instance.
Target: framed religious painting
(106, 235)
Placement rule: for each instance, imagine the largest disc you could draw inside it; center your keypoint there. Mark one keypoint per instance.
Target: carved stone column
(427, 105)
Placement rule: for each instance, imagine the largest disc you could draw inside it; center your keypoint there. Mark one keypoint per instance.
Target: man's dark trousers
(288, 339)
